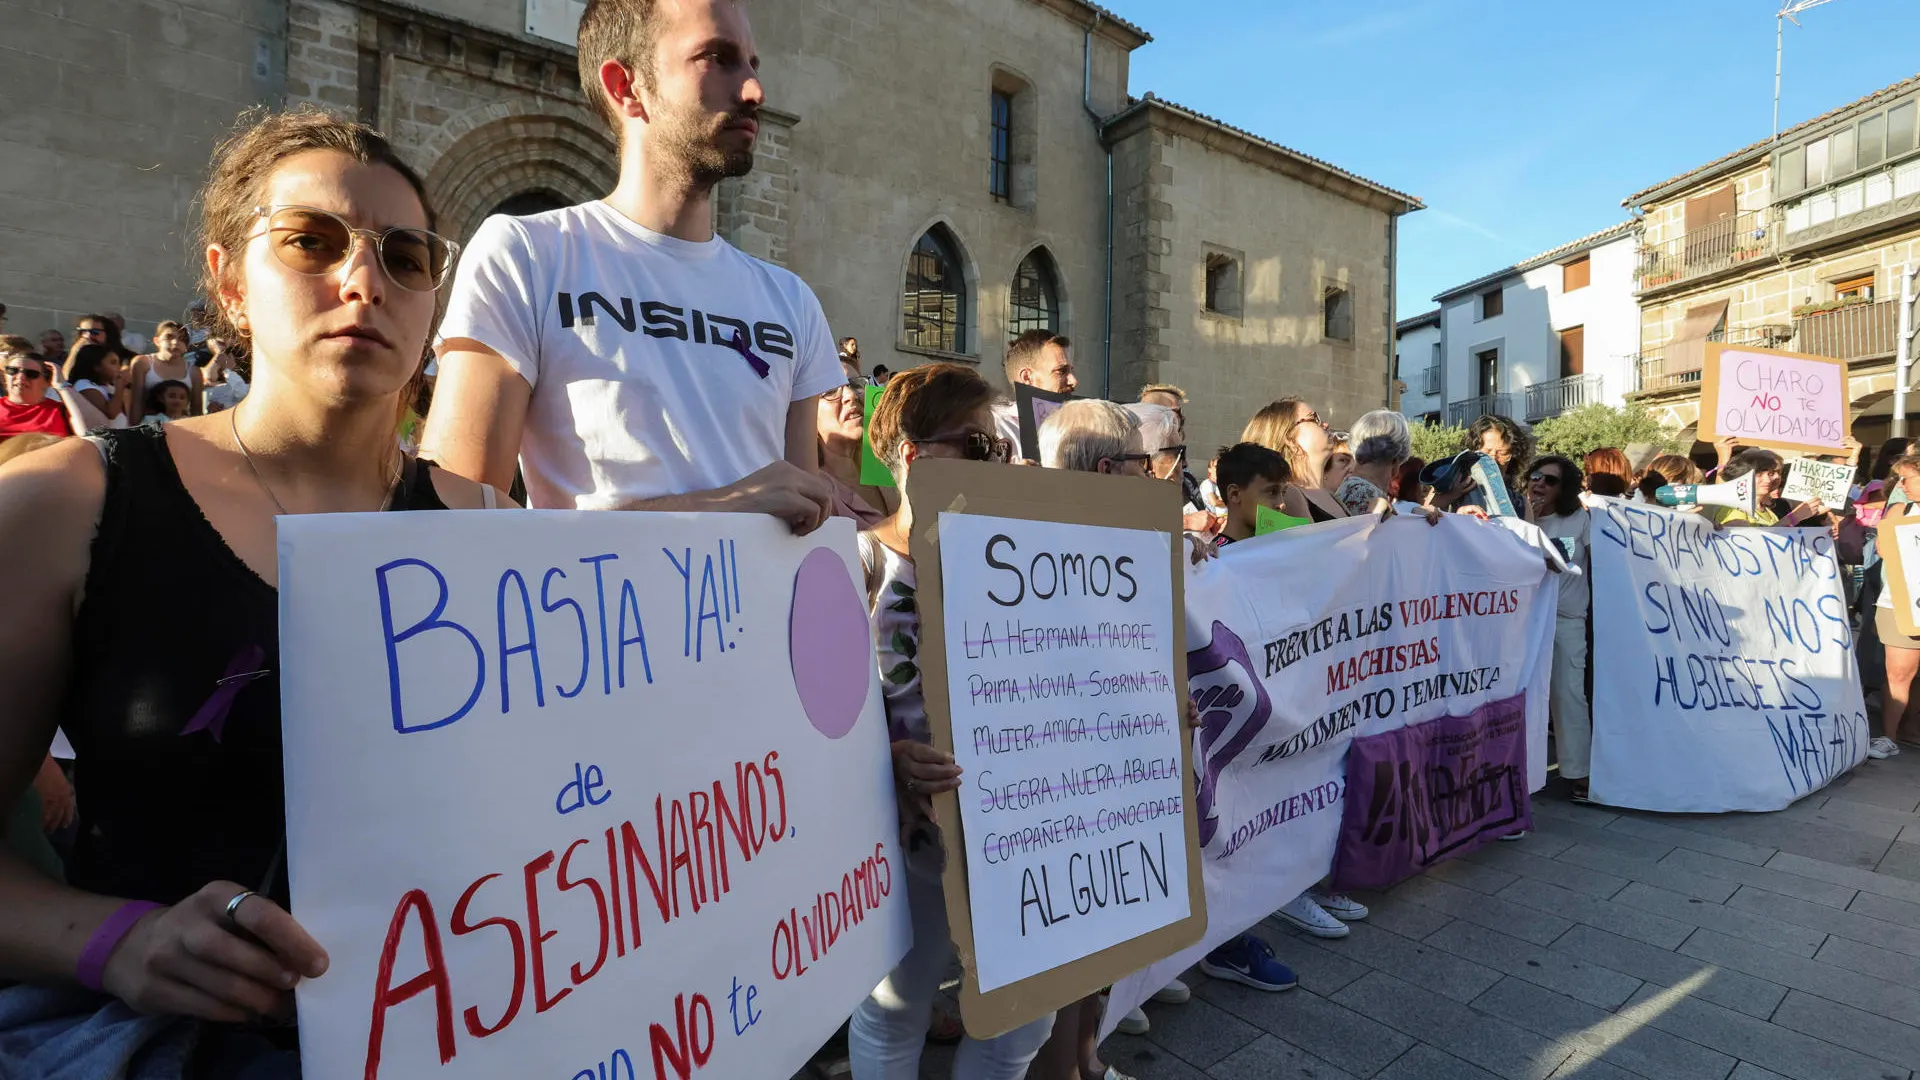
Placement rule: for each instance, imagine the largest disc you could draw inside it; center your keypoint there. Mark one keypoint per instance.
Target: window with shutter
(1577, 274)
(1573, 352)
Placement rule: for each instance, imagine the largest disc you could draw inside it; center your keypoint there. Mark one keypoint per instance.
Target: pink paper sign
(1778, 399)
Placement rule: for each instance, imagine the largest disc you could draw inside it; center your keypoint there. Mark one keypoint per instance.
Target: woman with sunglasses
(1291, 427)
(1553, 496)
(102, 330)
(932, 411)
(28, 407)
(841, 425)
(318, 253)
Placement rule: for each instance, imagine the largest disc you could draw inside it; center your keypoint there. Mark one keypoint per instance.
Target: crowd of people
(145, 883)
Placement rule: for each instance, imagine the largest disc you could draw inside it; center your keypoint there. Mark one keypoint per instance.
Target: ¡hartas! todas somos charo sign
(1787, 401)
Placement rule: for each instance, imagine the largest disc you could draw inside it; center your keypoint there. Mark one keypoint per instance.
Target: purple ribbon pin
(759, 366)
(243, 669)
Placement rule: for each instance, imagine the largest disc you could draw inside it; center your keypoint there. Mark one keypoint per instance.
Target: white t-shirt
(628, 339)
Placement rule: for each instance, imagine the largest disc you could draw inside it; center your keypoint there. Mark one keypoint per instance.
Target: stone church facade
(939, 172)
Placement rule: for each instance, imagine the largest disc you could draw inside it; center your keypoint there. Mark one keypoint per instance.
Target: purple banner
(1428, 792)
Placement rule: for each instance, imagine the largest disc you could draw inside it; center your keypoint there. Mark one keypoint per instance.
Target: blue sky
(1520, 123)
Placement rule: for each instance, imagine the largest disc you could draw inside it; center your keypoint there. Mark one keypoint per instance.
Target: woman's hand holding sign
(193, 959)
(921, 771)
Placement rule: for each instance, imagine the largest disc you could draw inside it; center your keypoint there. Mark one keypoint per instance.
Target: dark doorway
(529, 202)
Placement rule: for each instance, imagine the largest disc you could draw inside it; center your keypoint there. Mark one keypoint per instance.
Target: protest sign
(1425, 793)
(1342, 629)
(1051, 657)
(1783, 400)
(873, 471)
(1899, 547)
(1268, 520)
(1724, 663)
(1811, 478)
(1033, 406)
(577, 791)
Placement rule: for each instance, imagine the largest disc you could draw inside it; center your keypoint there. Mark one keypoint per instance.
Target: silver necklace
(233, 422)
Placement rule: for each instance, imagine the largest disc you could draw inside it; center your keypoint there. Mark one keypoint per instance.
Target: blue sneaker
(1248, 960)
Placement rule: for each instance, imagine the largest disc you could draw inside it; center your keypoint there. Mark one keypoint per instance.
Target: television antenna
(1780, 19)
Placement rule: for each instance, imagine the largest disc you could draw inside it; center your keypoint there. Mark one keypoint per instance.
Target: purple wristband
(93, 958)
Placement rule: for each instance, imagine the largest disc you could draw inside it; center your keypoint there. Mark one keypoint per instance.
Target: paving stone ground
(1605, 945)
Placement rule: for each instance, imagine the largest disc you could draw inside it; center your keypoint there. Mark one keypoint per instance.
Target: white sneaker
(1134, 1023)
(1339, 905)
(1883, 747)
(1302, 912)
(1174, 993)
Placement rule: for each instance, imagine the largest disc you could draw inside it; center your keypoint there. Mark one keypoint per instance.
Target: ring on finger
(913, 784)
(233, 906)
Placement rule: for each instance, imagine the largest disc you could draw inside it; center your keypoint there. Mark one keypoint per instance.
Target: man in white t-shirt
(1040, 359)
(626, 356)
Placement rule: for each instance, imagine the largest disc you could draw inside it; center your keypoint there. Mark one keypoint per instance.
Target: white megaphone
(1738, 494)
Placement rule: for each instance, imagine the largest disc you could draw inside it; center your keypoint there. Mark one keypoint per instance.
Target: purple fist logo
(1233, 707)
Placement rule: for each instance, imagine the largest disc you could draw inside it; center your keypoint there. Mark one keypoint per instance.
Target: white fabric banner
(1307, 638)
(1723, 662)
(582, 793)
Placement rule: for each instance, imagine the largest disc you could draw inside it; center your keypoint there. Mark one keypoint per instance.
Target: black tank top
(169, 612)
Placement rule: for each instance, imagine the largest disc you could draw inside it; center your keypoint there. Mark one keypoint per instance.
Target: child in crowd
(169, 399)
(1249, 476)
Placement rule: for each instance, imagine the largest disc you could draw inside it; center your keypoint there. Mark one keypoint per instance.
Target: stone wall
(111, 111)
(482, 115)
(1182, 200)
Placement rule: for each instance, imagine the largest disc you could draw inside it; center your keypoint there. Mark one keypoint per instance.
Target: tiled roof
(1110, 16)
(1740, 155)
(1591, 240)
(1153, 101)
(1429, 318)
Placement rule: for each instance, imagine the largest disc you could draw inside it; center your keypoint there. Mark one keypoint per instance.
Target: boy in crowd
(1249, 477)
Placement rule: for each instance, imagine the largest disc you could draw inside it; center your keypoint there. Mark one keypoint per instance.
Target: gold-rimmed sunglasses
(315, 242)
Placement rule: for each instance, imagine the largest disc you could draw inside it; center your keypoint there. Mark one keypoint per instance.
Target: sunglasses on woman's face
(1547, 478)
(974, 445)
(29, 374)
(90, 331)
(316, 242)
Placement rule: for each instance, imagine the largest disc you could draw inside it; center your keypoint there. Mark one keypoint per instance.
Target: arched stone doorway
(520, 165)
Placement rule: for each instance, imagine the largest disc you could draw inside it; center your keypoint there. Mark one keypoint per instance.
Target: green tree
(1431, 442)
(1592, 427)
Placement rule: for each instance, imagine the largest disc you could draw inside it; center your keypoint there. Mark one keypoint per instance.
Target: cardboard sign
(1426, 793)
(1052, 654)
(1346, 630)
(1782, 400)
(1729, 678)
(575, 791)
(1899, 547)
(873, 471)
(1033, 406)
(1811, 478)
(1268, 520)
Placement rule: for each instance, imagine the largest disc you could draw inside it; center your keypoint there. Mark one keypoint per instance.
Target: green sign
(873, 471)
(1267, 520)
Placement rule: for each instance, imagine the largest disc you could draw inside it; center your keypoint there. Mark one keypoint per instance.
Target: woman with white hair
(1093, 436)
(1381, 443)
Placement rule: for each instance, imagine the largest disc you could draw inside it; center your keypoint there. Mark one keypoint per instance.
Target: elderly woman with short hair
(1381, 443)
(1093, 436)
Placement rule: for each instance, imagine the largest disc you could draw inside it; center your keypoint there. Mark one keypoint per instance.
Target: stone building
(939, 173)
(1796, 243)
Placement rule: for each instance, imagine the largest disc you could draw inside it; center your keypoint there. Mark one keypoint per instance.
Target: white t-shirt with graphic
(658, 366)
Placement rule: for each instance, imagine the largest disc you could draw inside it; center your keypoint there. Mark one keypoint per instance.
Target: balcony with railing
(1851, 332)
(1473, 408)
(1723, 245)
(1558, 396)
(1652, 371)
(1433, 379)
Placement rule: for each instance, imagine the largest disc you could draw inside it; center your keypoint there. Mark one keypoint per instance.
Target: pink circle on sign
(829, 643)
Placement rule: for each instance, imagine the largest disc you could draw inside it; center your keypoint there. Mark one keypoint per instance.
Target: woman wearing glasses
(1291, 427)
(841, 422)
(29, 406)
(318, 253)
(1553, 497)
(932, 411)
(101, 330)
